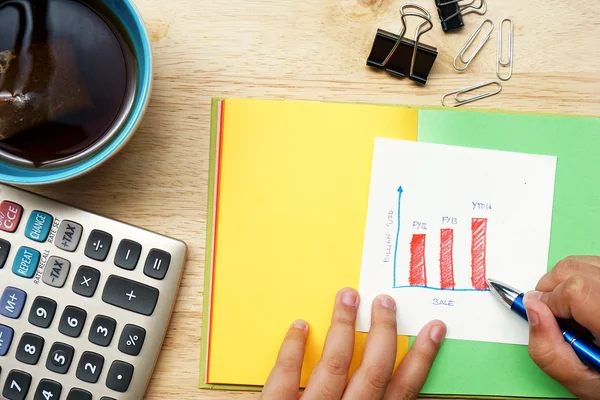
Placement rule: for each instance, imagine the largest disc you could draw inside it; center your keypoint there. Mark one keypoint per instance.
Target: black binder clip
(400, 56)
(451, 12)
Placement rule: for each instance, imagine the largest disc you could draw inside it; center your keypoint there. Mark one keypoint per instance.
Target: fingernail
(533, 295)
(350, 298)
(387, 302)
(533, 317)
(436, 333)
(303, 326)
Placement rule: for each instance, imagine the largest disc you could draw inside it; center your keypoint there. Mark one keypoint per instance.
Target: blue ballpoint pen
(583, 346)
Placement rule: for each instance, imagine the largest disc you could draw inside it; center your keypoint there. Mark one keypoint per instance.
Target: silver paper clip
(461, 53)
(465, 8)
(500, 62)
(457, 93)
(424, 14)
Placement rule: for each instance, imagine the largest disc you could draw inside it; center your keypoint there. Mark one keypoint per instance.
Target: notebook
(289, 186)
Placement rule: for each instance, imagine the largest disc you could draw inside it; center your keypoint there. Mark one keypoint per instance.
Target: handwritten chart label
(442, 302)
(419, 226)
(449, 220)
(481, 206)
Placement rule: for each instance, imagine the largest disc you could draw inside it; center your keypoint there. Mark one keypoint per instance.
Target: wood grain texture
(313, 50)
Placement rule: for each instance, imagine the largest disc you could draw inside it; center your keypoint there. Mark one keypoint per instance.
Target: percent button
(132, 340)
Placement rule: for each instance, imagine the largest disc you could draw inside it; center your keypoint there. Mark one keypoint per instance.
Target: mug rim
(124, 133)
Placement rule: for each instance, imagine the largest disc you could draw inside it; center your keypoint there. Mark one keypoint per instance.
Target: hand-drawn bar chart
(418, 263)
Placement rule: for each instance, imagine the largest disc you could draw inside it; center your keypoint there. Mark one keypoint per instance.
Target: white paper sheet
(462, 214)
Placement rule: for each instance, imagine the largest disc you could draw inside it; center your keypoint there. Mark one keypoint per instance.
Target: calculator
(85, 301)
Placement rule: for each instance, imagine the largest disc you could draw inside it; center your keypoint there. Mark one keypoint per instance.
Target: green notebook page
(505, 370)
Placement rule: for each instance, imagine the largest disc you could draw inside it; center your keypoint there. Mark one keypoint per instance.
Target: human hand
(571, 290)
(374, 379)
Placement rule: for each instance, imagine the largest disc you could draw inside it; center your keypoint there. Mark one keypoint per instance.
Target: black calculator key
(90, 367)
(128, 254)
(60, 358)
(72, 321)
(48, 390)
(132, 340)
(98, 245)
(17, 385)
(30, 348)
(86, 281)
(130, 295)
(119, 376)
(79, 394)
(157, 264)
(102, 330)
(42, 312)
(4, 250)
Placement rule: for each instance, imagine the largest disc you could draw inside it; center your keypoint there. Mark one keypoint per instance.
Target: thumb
(547, 347)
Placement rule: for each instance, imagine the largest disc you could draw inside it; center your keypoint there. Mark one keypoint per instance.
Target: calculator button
(72, 321)
(4, 250)
(157, 264)
(79, 394)
(119, 376)
(68, 235)
(128, 254)
(6, 335)
(30, 348)
(26, 262)
(86, 281)
(102, 330)
(60, 358)
(130, 295)
(10, 215)
(98, 245)
(132, 340)
(48, 390)
(17, 385)
(38, 226)
(90, 367)
(56, 272)
(42, 312)
(12, 302)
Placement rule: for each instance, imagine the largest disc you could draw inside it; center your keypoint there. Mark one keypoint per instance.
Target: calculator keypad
(98, 245)
(90, 367)
(48, 390)
(4, 251)
(60, 358)
(102, 330)
(86, 281)
(84, 301)
(42, 312)
(17, 385)
(30, 348)
(72, 321)
(130, 295)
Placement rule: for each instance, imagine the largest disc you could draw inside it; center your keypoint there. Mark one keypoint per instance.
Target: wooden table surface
(314, 50)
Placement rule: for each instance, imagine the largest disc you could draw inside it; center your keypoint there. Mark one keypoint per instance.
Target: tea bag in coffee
(39, 84)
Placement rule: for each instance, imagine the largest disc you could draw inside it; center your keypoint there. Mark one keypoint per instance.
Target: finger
(412, 372)
(330, 376)
(564, 269)
(371, 379)
(549, 350)
(576, 298)
(284, 380)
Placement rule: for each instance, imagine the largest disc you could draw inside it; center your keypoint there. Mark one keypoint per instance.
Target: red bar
(446, 259)
(478, 243)
(417, 261)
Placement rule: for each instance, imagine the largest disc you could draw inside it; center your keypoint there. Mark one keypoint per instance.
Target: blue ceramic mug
(123, 128)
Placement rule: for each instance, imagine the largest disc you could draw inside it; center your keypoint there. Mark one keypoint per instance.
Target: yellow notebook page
(293, 197)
